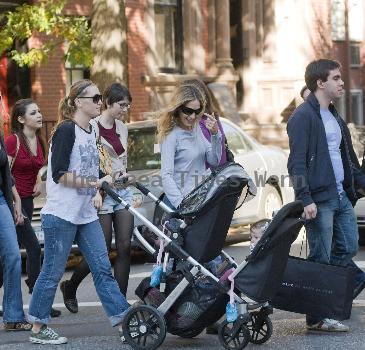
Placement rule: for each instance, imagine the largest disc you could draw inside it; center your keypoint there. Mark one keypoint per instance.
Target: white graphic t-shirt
(73, 150)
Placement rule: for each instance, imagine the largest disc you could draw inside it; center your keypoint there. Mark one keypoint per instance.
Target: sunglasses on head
(190, 111)
(96, 98)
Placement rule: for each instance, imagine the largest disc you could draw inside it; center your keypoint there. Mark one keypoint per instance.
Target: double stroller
(195, 279)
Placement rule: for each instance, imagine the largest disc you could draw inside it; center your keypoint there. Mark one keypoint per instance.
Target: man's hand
(310, 211)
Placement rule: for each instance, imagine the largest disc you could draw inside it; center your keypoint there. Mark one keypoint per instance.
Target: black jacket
(7, 181)
(309, 163)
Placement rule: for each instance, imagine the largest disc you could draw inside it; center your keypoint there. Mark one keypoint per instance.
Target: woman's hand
(97, 200)
(36, 189)
(106, 178)
(211, 124)
(19, 217)
(125, 179)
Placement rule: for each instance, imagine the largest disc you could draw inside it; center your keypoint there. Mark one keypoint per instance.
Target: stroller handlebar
(142, 188)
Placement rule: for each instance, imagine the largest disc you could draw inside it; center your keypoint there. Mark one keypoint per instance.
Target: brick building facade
(252, 53)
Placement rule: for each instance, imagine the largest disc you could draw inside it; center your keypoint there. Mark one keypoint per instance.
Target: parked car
(265, 164)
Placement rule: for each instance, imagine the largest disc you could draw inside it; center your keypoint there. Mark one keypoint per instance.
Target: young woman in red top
(26, 149)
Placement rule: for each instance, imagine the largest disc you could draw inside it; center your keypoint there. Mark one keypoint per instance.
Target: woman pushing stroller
(70, 212)
(184, 149)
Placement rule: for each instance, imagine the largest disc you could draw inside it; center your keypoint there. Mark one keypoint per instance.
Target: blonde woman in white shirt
(111, 134)
(70, 213)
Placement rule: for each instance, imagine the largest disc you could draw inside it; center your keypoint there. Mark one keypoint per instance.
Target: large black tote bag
(319, 289)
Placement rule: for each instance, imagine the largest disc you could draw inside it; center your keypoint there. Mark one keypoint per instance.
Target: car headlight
(137, 199)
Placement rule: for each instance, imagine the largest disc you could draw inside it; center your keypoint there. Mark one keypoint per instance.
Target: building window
(355, 59)
(74, 74)
(355, 20)
(168, 29)
(356, 107)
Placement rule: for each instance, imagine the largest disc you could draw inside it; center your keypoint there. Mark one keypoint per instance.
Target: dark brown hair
(19, 109)
(319, 70)
(115, 93)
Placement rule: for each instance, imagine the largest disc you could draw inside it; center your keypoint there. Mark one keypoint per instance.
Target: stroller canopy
(200, 196)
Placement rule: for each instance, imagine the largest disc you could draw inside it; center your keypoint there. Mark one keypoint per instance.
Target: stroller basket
(260, 278)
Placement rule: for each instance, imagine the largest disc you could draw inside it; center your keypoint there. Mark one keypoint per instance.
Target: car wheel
(270, 202)
(361, 236)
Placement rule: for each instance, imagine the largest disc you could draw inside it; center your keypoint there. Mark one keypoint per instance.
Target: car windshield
(141, 149)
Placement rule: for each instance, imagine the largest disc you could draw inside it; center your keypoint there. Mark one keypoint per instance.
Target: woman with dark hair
(10, 212)
(26, 149)
(112, 136)
(70, 212)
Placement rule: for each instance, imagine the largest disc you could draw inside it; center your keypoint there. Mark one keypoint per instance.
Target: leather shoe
(55, 313)
(70, 302)
(358, 289)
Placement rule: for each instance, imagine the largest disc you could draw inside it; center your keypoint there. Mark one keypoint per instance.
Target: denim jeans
(11, 262)
(59, 235)
(332, 236)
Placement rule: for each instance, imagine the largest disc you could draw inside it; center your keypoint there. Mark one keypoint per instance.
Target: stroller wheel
(232, 336)
(144, 328)
(260, 328)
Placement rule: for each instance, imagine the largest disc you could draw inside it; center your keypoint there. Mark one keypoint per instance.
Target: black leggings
(122, 221)
(28, 239)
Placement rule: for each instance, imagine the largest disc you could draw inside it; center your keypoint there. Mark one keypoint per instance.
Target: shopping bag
(312, 288)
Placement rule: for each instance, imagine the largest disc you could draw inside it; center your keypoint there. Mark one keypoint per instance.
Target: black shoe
(69, 298)
(212, 328)
(55, 313)
(358, 289)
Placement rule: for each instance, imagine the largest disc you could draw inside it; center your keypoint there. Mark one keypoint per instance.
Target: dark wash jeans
(332, 236)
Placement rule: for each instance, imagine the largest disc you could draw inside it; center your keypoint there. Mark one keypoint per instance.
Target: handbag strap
(16, 152)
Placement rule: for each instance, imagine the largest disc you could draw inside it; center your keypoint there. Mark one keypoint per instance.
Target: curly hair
(167, 117)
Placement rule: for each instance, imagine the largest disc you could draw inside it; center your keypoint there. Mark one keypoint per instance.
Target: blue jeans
(11, 261)
(59, 235)
(332, 236)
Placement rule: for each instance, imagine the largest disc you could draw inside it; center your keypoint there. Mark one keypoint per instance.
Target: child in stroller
(191, 292)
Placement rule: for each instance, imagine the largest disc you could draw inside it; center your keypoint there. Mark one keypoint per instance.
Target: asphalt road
(89, 329)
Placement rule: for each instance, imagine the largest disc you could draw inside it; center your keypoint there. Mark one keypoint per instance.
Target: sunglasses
(96, 98)
(190, 111)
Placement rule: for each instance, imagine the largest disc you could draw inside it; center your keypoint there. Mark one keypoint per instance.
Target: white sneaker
(328, 325)
(46, 336)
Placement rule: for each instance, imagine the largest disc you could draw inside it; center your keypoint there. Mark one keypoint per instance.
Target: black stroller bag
(261, 277)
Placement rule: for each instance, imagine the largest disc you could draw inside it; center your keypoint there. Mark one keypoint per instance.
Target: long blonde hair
(211, 102)
(168, 116)
(67, 107)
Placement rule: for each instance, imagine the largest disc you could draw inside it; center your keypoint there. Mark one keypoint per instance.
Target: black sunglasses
(96, 98)
(190, 111)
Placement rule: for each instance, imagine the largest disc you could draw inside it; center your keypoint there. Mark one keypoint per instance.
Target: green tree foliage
(45, 18)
